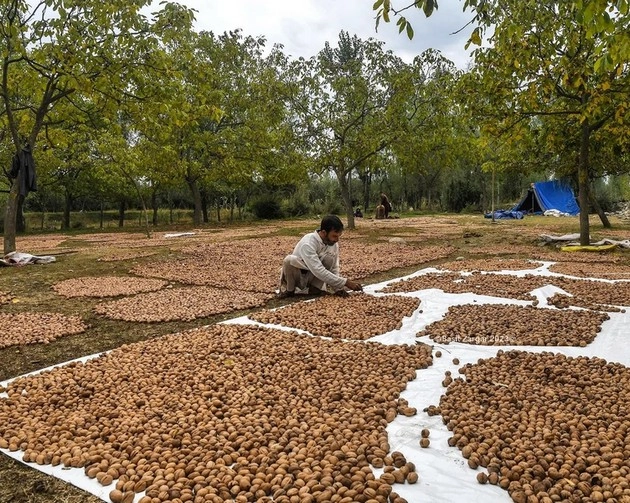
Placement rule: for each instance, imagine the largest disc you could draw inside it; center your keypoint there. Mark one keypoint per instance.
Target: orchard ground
(437, 239)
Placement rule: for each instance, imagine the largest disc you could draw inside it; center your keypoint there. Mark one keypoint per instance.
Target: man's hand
(354, 285)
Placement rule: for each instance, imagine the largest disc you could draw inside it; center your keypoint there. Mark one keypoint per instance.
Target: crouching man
(314, 263)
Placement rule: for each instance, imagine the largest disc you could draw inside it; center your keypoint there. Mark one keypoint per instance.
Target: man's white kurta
(311, 253)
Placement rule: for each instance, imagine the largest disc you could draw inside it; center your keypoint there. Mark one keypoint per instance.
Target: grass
(32, 287)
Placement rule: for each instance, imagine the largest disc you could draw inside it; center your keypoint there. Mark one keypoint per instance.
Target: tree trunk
(10, 215)
(204, 206)
(102, 215)
(599, 210)
(154, 207)
(145, 214)
(367, 189)
(194, 189)
(170, 208)
(583, 182)
(20, 221)
(345, 196)
(121, 213)
(405, 192)
(422, 190)
(218, 209)
(65, 224)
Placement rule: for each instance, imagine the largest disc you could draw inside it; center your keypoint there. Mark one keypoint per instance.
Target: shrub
(266, 207)
(332, 207)
(297, 206)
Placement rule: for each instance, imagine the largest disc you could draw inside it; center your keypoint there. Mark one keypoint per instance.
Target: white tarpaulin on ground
(19, 258)
(444, 475)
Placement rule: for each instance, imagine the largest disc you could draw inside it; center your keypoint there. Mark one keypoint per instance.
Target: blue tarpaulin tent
(552, 195)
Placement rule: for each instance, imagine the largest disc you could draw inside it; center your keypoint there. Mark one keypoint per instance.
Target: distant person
(314, 263)
(358, 213)
(387, 207)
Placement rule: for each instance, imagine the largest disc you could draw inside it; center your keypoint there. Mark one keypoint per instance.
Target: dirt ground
(115, 254)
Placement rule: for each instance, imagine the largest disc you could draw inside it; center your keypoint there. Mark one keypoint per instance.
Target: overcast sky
(303, 26)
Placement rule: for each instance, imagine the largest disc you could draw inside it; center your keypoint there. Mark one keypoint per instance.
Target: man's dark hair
(331, 223)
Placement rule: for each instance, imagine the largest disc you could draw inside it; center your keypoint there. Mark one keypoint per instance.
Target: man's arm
(314, 264)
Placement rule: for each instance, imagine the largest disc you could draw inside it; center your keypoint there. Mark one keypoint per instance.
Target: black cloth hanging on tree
(24, 161)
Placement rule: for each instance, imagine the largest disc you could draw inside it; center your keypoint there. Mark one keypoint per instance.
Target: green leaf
(429, 7)
(377, 4)
(409, 31)
(475, 37)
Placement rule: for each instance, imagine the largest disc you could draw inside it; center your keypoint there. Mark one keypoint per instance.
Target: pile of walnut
(185, 304)
(359, 260)
(604, 270)
(117, 255)
(507, 250)
(41, 242)
(492, 264)
(565, 301)
(596, 292)
(545, 426)
(498, 285)
(33, 328)
(248, 264)
(5, 297)
(515, 287)
(358, 317)
(106, 286)
(556, 255)
(225, 413)
(509, 325)
(254, 264)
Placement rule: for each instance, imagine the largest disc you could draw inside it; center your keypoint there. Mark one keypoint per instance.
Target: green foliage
(611, 190)
(350, 103)
(466, 190)
(266, 207)
(74, 63)
(297, 206)
(605, 20)
(332, 207)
